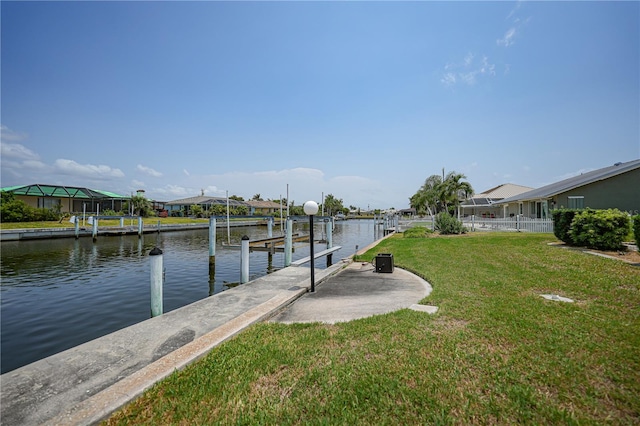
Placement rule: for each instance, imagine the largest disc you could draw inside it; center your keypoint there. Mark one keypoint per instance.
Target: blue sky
(363, 100)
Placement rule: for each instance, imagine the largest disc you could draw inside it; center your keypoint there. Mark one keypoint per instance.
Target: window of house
(48, 202)
(576, 202)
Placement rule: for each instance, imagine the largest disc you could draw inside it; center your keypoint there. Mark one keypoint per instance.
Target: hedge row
(598, 229)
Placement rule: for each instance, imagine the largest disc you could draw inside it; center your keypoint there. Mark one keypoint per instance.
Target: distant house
(69, 198)
(407, 212)
(265, 208)
(184, 204)
(486, 204)
(616, 186)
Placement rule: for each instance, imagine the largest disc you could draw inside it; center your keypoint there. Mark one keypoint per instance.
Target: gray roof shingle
(574, 182)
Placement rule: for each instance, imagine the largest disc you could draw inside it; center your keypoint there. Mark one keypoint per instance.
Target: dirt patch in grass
(447, 325)
(628, 255)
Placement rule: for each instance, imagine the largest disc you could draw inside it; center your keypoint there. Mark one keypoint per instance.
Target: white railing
(474, 223)
(516, 223)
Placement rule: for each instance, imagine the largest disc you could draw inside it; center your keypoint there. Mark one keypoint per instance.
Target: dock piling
(140, 226)
(156, 281)
(212, 245)
(329, 230)
(244, 260)
(94, 229)
(288, 243)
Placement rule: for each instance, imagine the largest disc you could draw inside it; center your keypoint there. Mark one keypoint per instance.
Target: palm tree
(454, 189)
(437, 194)
(427, 197)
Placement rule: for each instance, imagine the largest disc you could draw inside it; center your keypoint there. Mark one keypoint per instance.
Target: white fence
(516, 223)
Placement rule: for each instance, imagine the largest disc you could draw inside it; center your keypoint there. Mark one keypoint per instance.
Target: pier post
(76, 224)
(94, 229)
(329, 230)
(212, 245)
(122, 222)
(158, 226)
(397, 223)
(473, 222)
(375, 227)
(288, 243)
(244, 260)
(156, 281)
(140, 226)
(270, 227)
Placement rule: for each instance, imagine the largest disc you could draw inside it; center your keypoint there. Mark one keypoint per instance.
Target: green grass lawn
(495, 353)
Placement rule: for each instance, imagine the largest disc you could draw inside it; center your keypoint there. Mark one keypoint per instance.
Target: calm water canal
(57, 294)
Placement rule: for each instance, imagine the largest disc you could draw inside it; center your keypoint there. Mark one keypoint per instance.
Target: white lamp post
(311, 208)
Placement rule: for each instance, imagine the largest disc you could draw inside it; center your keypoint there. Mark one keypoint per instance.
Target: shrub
(636, 230)
(447, 224)
(600, 229)
(562, 219)
(19, 211)
(417, 232)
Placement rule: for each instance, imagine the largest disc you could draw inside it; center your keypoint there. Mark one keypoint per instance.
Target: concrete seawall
(85, 384)
(47, 233)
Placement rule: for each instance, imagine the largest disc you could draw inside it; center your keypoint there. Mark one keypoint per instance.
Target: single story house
(263, 208)
(616, 186)
(204, 201)
(485, 203)
(69, 198)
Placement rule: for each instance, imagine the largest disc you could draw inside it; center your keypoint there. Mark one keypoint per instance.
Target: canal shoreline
(48, 233)
(86, 383)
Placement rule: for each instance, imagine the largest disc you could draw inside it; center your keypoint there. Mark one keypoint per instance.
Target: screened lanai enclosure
(69, 198)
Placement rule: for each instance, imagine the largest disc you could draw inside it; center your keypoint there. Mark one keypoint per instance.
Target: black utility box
(384, 262)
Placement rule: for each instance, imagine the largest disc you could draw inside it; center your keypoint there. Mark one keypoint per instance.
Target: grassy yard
(495, 353)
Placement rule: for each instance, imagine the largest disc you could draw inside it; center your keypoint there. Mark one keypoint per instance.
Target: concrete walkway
(85, 384)
(357, 292)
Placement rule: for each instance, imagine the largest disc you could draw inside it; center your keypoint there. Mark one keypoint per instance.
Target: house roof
(263, 204)
(203, 199)
(505, 190)
(575, 182)
(493, 195)
(42, 190)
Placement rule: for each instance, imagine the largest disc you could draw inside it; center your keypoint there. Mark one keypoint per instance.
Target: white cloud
(137, 184)
(34, 165)
(172, 192)
(515, 9)
(448, 79)
(148, 171)
(17, 151)
(468, 59)
(186, 172)
(91, 171)
(508, 38)
(6, 134)
(469, 71)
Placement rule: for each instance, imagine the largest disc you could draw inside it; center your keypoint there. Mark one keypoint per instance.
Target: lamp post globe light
(311, 208)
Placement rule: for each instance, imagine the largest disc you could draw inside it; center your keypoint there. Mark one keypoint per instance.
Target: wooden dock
(271, 245)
